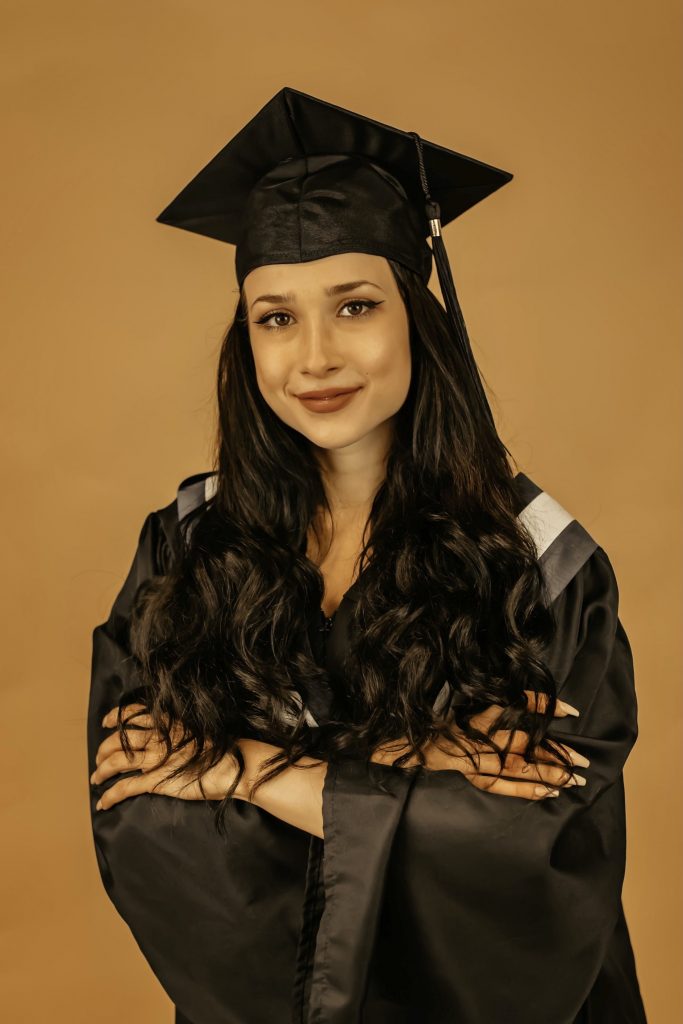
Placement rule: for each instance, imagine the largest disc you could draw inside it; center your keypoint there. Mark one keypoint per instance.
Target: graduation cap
(306, 179)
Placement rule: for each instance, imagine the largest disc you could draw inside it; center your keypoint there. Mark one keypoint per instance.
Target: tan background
(569, 278)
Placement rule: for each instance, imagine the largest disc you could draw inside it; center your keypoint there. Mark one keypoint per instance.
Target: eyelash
(351, 302)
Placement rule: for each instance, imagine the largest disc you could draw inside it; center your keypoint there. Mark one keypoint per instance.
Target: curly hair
(449, 589)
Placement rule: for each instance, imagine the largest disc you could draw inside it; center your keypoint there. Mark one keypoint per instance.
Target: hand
(487, 774)
(148, 751)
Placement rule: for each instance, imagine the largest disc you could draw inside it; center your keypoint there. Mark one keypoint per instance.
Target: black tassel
(447, 285)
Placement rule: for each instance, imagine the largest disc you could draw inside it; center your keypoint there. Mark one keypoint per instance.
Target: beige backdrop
(569, 279)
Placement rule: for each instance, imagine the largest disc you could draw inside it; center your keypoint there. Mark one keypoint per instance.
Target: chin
(338, 437)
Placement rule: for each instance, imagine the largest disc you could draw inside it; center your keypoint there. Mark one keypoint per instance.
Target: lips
(329, 400)
(326, 393)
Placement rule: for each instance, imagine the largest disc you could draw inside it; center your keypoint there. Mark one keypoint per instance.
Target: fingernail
(98, 805)
(567, 708)
(579, 759)
(542, 791)
(577, 780)
(92, 777)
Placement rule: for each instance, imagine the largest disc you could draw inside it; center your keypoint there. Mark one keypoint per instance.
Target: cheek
(386, 361)
(271, 370)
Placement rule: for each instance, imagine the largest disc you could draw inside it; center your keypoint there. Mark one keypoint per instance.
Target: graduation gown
(433, 903)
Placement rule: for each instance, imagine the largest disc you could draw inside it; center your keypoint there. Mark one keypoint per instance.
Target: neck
(352, 475)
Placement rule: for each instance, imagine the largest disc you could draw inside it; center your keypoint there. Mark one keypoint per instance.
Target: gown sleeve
(207, 913)
(446, 903)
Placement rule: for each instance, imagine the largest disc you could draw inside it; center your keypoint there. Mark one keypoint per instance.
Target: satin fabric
(434, 903)
(305, 179)
(492, 908)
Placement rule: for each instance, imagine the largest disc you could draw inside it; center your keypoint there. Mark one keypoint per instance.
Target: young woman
(333, 671)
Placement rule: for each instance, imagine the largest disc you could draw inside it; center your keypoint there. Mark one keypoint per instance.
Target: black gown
(435, 903)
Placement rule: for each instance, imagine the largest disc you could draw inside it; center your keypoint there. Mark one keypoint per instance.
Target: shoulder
(171, 523)
(193, 492)
(190, 494)
(581, 581)
(563, 544)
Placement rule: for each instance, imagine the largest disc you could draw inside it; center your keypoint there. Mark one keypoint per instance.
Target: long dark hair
(450, 589)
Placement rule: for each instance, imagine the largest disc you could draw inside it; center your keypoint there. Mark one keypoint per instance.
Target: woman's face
(334, 323)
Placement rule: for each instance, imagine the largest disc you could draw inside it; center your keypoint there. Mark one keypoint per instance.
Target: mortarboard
(304, 179)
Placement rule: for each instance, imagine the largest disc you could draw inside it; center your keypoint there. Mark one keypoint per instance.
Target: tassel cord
(447, 284)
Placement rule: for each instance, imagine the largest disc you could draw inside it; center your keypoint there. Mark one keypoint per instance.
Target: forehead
(315, 278)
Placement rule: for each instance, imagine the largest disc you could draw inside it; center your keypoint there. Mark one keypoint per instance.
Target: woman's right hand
(530, 780)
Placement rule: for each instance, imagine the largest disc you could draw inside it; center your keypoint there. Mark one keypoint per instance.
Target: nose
(318, 351)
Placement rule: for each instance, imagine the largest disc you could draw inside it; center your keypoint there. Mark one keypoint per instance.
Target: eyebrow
(334, 289)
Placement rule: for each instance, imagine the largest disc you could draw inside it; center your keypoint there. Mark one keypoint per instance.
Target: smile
(329, 403)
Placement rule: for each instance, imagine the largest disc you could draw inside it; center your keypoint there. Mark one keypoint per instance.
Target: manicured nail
(542, 791)
(577, 780)
(92, 777)
(579, 759)
(98, 805)
(567, 708)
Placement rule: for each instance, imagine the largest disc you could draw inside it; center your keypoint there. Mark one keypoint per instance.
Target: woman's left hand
(148, 751)
(543, 775)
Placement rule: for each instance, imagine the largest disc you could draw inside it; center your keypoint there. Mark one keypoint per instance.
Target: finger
(506, 787)
(113, 743)
(112, 714)
(153, 782)
(516, 767)
(134, 714)
(483, 720)
(537, 702)
(137, 739)
(111, 717)
(519, 742)
(112, 765)
(121, 762)
(124, 788)
(135, 724)
(549, 757)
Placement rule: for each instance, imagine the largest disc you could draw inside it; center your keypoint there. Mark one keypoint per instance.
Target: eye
(368, 303)
(360, 302)
(263, 322)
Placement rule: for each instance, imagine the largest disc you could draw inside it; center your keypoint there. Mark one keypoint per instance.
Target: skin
(319, 346)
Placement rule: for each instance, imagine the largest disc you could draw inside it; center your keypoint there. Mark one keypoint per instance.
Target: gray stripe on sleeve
(566, 556)
(562, 544)
(194, 491)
